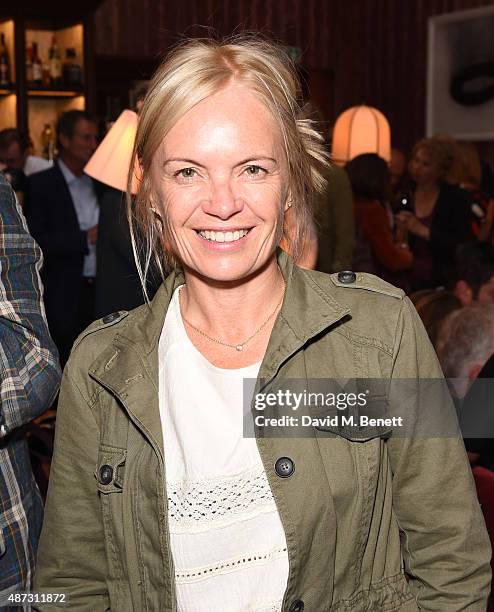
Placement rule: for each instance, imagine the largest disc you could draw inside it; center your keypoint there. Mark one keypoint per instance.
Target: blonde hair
(440, 152)
(193, 71)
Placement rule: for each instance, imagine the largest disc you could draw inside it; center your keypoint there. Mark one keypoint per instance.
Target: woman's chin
(228, 270)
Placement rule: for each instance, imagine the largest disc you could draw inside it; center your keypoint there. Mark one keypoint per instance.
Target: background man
(474, 273)
(62, 212)
(29, 380)
(14, 153)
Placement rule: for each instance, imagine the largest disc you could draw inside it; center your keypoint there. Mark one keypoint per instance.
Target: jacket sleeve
(71, 554)
(30, 372)
(445, 545)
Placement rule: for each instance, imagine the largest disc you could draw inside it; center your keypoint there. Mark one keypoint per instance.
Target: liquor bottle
(72, 71)
(48, 142)
(4, 62)
(37, 67)
(55, 64)
(29, 65)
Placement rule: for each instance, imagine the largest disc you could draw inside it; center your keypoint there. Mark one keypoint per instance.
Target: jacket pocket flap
(110, 470)
(360, 424)
(357, 433)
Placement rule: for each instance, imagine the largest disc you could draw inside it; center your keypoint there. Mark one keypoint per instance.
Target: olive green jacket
(371, 523)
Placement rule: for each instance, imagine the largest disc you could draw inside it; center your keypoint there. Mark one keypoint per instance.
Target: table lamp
(361, 129)
(110, 162)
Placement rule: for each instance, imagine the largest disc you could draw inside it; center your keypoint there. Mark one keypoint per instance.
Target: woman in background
(440, 216)
(376, 250)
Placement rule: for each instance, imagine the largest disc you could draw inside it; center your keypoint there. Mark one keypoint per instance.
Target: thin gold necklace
(240, 346)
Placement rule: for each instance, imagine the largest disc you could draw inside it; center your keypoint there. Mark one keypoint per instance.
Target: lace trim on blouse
(200, 505)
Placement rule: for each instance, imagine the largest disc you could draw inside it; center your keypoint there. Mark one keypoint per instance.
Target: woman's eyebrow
(192, 162)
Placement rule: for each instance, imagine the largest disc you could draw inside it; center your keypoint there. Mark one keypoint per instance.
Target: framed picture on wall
(460, 75)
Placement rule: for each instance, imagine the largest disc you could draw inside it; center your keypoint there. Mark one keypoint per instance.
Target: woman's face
(423, 169)
(221, 175)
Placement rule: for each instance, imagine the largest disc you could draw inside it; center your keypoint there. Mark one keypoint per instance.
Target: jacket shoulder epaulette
(368, 282)
(103, 323)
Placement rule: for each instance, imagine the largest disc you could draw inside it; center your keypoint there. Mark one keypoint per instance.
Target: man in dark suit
(62, 211)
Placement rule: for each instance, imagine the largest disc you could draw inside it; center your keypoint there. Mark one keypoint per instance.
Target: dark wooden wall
(149, 27)
(356, 51)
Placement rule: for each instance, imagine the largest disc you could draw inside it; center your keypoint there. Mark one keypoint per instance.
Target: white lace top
(227, 540)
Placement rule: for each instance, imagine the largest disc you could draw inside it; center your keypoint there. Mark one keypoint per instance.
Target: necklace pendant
(239, 347)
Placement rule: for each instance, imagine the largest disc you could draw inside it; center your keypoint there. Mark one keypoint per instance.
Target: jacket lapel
(128, 368)
(307, 310)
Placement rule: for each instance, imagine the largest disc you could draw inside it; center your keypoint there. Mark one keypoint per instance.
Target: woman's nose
(222, 202)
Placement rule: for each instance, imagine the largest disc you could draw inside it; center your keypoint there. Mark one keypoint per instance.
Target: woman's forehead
(230, 118)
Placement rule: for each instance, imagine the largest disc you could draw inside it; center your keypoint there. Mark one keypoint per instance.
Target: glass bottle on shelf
(72, 71)
(37, 66)
(45, 72)
(29, 65)
(4, 62)
(55, 64)
(48, 142)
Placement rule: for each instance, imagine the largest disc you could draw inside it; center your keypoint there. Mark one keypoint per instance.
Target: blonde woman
(157, 501)
(440, 217)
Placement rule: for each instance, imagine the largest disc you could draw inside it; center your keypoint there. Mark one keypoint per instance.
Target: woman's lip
(224, 230)
(222, 245)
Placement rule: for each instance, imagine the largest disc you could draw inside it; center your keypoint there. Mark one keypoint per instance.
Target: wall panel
(365, 51)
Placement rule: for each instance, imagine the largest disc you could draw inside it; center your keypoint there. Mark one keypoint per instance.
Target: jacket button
(111, 317)
(347, 277)
(105, 474)
(284, 467)
(297, 606)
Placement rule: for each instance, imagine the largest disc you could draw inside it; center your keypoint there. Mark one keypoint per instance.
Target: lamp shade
(111, 161)
(361, 129)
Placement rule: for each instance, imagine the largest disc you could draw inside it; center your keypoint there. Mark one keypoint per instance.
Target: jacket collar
(307, 308)
(129, 366)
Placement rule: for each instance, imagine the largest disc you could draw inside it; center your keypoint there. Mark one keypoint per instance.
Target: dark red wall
(356, 51)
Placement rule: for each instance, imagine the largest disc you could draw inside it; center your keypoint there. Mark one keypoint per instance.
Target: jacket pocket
(110, 470)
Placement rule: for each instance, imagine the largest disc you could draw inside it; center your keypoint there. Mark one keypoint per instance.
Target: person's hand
(413, 225)
(92, 235)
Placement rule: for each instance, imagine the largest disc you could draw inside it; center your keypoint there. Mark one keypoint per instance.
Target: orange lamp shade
(111, 161)
(361, 129)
